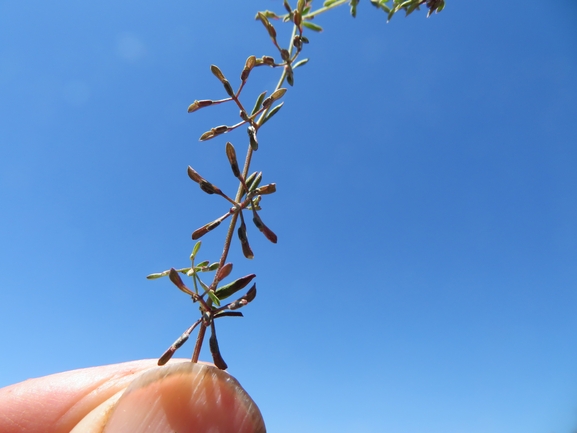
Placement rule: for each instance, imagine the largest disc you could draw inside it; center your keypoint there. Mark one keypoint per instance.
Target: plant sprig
(249, 194)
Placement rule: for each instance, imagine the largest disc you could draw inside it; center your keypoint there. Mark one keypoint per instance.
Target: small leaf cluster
(209, 310)
(391, 7)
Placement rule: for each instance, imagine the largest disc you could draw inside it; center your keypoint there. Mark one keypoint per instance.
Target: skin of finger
(56, 403)
(95, 421)
(185, 398)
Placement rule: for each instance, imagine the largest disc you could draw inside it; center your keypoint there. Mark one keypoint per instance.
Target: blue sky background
(425, 274)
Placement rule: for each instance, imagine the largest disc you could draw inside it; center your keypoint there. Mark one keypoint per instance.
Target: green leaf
(213, 267)
(270, 14)
(313, 27)
(204, 286)
(410, 10)
(231, 288)
(255, 182)
(328, 3)
(195, 250)
(213, 298)
(301, 5)
(248, 182)
(381, 4)
(201, 265)
(272, 113)
(258, 102)
(157, 275)
(354, 4)
(300, 63)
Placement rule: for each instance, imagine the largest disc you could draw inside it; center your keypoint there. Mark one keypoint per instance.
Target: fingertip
(185, 398)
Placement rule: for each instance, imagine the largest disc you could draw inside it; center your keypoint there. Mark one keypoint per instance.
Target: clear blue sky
(425, 275)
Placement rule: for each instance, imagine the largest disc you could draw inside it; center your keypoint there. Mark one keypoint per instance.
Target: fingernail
(185, 398)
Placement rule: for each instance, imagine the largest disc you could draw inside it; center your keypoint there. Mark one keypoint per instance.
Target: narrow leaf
(228, 314)
(249, 180)
(354, 4)
(231, 288)
(312, 26)
(255, 182)
(213, 297)
(157, 275)
(271, 113)
(301, 5)
(195, 250)
(300, 63)
(202, 264)
(258, 102)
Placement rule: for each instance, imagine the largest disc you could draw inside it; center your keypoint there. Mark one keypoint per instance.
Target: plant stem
(324, 9)
(234, 219)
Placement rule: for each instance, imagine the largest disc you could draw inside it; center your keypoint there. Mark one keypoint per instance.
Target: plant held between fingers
(247, 200)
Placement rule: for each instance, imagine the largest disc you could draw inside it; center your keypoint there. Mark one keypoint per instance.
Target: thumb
(131, 397)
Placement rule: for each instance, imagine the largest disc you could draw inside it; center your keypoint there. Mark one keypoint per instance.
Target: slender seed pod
(250, 63)
(177, 281)
(200, 232)
(209, 188)
(241, 302)
(266, 189)
(252, 136)
(246, 250)
(269, 234)
(231, 155)
(217, 73)
(199, 104)
(214, 349)
(228, 88)
(268, 60)
(224, 271)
